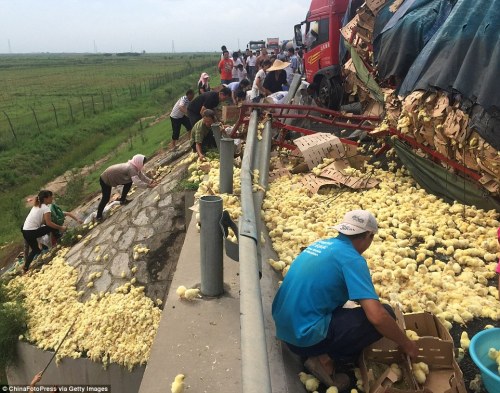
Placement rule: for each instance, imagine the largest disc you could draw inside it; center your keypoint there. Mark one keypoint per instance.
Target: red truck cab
(320, 36)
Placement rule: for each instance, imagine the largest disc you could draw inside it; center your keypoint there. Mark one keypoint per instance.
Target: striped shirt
(176, 112)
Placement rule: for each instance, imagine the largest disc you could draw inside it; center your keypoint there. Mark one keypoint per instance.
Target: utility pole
(173, 47)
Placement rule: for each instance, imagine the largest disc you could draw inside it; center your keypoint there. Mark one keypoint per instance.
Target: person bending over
(39, 223)
(123, 174)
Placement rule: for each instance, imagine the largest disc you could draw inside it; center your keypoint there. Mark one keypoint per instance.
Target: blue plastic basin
(479, 346)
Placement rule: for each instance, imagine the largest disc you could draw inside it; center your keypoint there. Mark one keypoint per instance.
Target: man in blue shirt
(308, 308)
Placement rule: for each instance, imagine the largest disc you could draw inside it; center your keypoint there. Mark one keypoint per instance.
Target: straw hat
(278, 65)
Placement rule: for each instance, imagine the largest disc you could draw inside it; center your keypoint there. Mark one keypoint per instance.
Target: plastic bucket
(479, 346)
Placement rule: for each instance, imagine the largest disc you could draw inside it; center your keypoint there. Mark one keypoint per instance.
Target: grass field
(67, 111)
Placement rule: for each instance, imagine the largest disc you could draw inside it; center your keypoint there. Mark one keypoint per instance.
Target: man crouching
(307, 308)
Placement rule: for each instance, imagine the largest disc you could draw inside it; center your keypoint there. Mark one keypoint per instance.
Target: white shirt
(251, 60)
(255, 89)
(35, 217)
(235, 68)
(176, 112)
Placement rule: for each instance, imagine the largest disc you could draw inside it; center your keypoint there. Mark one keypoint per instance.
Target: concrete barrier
(31, 360)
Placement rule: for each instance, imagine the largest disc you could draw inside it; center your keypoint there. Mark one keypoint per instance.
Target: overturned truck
(429, 69)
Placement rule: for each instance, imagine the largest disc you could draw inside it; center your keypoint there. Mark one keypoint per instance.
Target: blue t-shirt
(323, 277)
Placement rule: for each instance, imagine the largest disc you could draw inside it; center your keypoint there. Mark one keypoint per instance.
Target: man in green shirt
(200, 131)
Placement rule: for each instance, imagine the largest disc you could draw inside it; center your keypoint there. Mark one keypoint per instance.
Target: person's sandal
(341, 381)
(314, 366)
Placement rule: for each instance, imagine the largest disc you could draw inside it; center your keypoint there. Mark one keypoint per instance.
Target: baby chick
(464, 341)
(178, 384)
(180, 291)
(191, 294)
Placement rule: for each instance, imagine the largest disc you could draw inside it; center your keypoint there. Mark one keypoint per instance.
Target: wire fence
(20, 126)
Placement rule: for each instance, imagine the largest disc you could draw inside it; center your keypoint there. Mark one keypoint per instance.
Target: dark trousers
(176, 126)
(106, 195)
(30, 237)
(349, 333)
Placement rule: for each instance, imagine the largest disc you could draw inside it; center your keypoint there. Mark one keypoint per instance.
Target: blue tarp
(463, 56)
(400, 37)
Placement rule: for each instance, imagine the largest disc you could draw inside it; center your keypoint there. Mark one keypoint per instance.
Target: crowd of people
(244, 76)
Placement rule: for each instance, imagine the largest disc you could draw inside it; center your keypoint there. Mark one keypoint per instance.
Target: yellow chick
(412, 335)
(180, 291)
(191, 294)
(464, 341)
(178, 384)
(476, 385)
(312, 384)
(304, 377)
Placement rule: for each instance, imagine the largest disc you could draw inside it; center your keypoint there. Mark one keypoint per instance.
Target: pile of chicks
(116, 327)
(428, 255)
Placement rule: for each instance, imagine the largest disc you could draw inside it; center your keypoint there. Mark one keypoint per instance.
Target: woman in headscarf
(123, 174)
(203, 85)
(39, 223)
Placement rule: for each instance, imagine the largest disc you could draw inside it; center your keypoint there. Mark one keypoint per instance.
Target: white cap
(357, 221)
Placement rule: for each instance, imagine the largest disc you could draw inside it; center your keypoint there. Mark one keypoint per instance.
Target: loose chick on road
(178, 384)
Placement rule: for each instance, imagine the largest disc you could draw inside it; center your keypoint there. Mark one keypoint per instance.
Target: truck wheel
(330, 93)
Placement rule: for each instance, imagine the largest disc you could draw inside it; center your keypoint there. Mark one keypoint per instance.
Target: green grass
(38, 157)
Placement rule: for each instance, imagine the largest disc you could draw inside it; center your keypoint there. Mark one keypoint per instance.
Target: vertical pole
(226, 166)
(212, 277)
(10, 124)
(36, 120)
(71, 112)
(83, 107)
(55, 115)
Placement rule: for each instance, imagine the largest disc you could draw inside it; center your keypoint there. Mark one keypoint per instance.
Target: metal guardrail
(255, 364)
(254, 360)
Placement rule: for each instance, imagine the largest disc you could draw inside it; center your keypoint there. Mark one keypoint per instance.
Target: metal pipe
(216, 131)
(265, 152)
(255, 364)
(226, 166)
(212, 272)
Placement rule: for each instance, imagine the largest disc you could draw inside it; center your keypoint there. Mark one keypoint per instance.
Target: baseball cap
(357, 221)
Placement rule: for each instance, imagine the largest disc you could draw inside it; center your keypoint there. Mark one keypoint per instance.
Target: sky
(33, 26)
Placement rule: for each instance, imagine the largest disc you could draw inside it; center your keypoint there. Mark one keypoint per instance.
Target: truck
(273, 44)
(406, 62)
(256, 45)
(321, 32)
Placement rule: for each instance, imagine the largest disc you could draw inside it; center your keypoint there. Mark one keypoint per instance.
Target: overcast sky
(150, 25)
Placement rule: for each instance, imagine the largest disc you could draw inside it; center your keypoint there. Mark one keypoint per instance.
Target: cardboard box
(426, 325)
(435, 349)
(230, 113)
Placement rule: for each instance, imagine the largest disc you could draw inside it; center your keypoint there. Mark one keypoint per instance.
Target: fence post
(36, 120)
(71, 112)
(11, 126)
(93, 105)
(83, 106)
(55, 115)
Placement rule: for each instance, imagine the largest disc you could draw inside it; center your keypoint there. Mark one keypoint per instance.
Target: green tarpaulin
(438, 181)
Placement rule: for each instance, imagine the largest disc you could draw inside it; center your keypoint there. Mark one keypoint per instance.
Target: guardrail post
(226, 166)
(212, 277)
